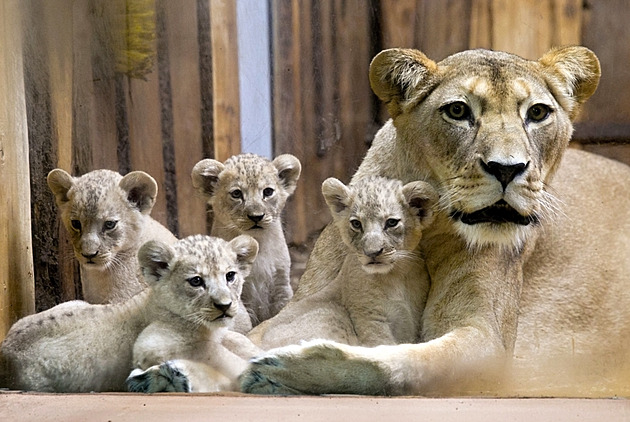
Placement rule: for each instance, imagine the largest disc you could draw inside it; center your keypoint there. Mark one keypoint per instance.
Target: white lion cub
(193, 292)
(379, 295)
(107, 218)
(247, 194)
(198, 286)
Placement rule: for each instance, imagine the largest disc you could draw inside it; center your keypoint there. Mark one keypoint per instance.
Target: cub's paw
(166, 377)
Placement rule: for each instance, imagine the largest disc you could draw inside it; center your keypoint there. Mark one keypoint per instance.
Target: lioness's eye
(457, 111)
(76, 224)
(267, 192)
(538, 113)
(236, 194)
(391, 222)
(195, 281)
(229, 277)
(108, 225)
(356, 224)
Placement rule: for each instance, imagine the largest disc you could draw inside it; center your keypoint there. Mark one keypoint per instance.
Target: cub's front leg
(179, 376)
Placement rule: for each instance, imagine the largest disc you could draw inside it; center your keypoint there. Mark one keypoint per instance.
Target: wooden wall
(86, 105)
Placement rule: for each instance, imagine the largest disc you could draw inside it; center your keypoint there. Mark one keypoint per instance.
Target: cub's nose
(256, 218)
(223, 307)
(504, 173)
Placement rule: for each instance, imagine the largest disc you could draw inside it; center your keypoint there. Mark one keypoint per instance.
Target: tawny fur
(535, 309)
(379, 294)
(247, 195)
(107, 219)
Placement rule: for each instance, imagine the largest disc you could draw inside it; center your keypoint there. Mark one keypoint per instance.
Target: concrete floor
(16, 406)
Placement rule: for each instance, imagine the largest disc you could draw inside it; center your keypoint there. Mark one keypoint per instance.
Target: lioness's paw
(315, 367)
(167, 377)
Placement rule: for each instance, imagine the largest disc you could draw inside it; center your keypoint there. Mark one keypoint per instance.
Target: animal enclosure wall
(153, 85)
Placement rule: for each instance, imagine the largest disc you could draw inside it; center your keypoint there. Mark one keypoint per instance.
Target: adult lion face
(488, 129)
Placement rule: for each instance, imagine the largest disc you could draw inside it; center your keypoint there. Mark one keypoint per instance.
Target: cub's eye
(195, 281)
(108, 225)
(457, 110)
(356, 224)
(391, 222)
(267, 192)
(229, 277)
(76, 224)
(236, 194)
(538, 113)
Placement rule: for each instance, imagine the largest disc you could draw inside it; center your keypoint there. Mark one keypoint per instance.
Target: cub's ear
(141, 190)
(401, 77)
(246, 248)
(205, 176)
(155, 259)
(336, 194)
(289, 169)
(421, 197)
(573, 75)
(60, 182)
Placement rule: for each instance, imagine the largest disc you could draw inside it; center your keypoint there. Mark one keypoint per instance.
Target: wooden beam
(17, 297)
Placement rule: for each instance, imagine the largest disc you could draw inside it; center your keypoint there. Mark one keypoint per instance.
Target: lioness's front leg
(325, 367)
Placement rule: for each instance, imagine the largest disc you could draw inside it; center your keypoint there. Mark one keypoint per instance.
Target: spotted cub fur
(107, 218)
(379, 294)
(383, 283)
(198, 285)
(247, 194)
(193, 292)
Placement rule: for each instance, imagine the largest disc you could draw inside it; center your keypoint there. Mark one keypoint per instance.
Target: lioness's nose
(504, 173)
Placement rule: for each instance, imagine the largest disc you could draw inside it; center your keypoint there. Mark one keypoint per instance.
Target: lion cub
(200, 296)
(380, 292)
(107, 218)
(193, 292)
(247, 194)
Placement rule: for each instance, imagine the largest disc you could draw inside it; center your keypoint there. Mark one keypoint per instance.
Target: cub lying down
(78, 347)
(107, 218)
(379, 295)
(201, 294)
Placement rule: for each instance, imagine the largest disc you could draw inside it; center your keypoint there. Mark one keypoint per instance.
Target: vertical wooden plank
(567, 22)
(225, 78)
(183, 54)
(480, 24)
(610, 105)
(355, 98)
(522, 27)
(57, 21)
(398, 23)
(436, 35)
(145, 135)
(16, 264)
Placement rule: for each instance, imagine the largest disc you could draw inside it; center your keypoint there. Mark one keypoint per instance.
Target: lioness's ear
(289, 169)
(336, 194)
(401, 77)
(421, 197)
(155, 259)
(573, 75)
(60, 182)
(246, 248)
(205, 176)
(141, 190)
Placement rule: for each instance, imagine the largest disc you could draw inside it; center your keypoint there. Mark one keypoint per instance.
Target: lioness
(529, 277)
